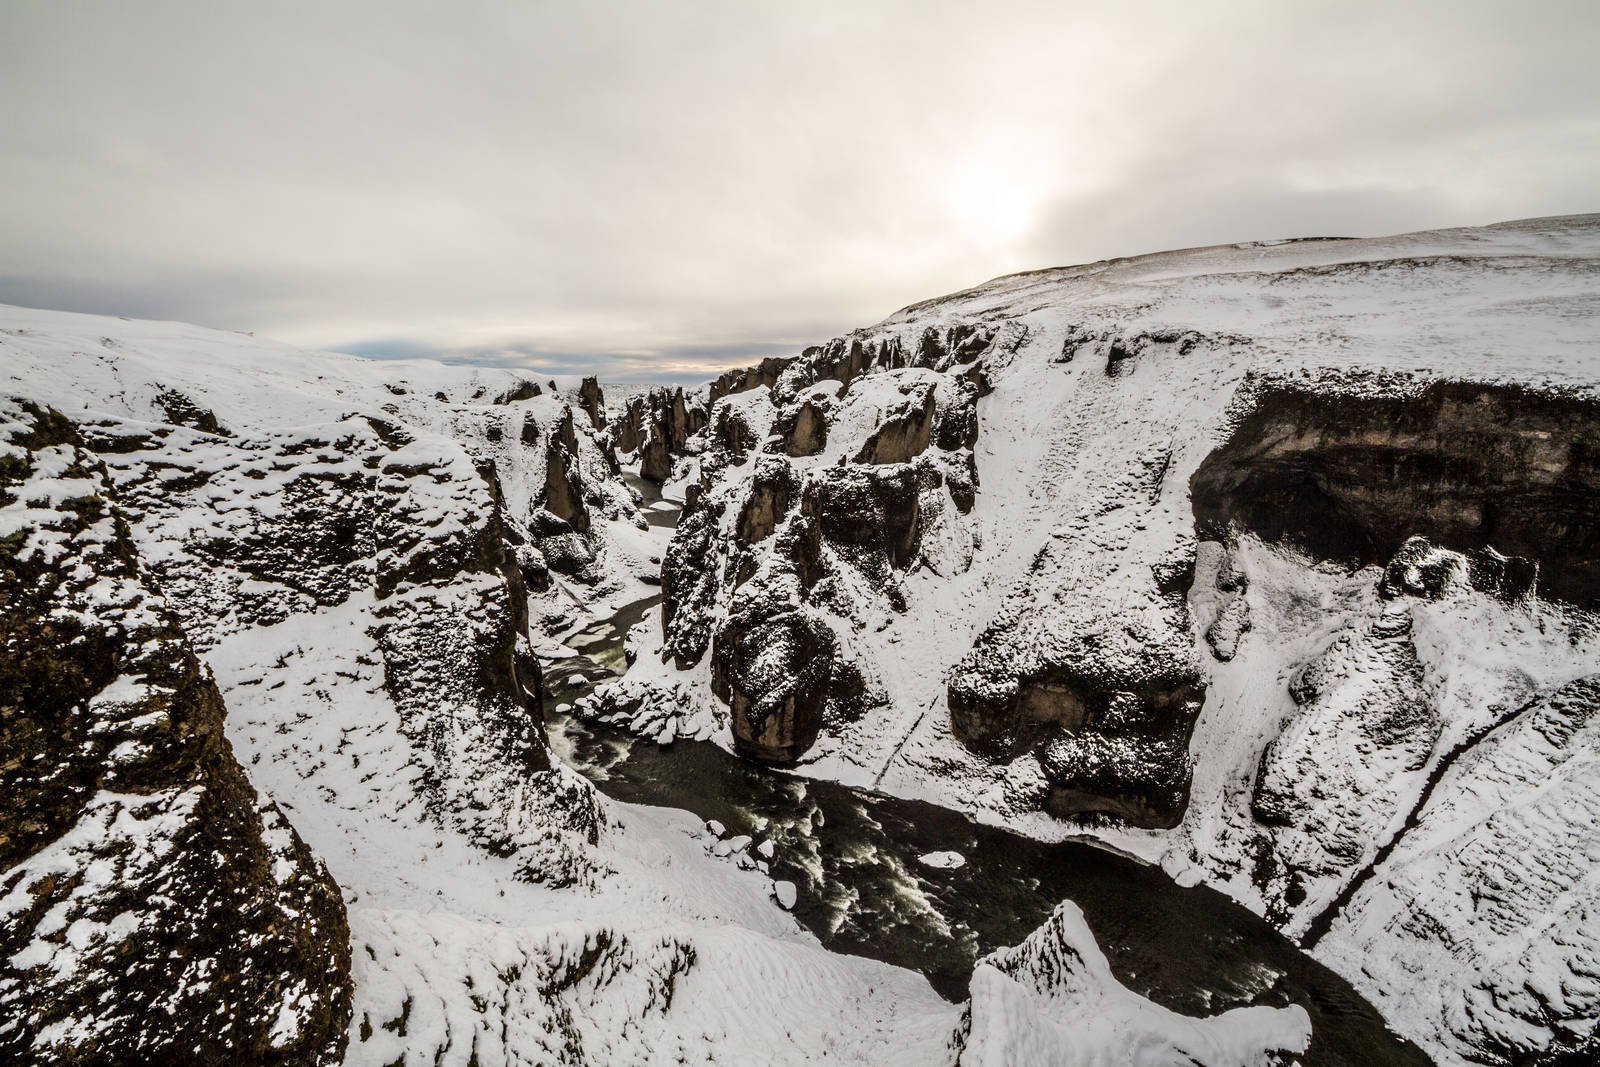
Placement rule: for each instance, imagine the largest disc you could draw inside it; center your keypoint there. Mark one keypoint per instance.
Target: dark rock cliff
(155, 910)
(1471, 466)
(814, 547)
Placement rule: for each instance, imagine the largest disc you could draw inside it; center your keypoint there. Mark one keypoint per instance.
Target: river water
(857, 861)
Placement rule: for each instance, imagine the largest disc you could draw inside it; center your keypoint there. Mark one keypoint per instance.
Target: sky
(653, 191)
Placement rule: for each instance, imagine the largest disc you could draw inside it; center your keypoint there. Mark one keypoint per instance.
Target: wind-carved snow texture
(1053, 999)
(1162, 616)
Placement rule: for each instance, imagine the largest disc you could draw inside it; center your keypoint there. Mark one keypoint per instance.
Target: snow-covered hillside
(1272, 563)
(368, 559)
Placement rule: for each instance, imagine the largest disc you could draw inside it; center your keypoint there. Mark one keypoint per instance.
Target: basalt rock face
(805, 545)
(1104, 701)
(1430, 482)
(670, 418)
(154, 908)
(593, 401)
(804, 426)
(1471, 466)
(742, 379)
(563, 486)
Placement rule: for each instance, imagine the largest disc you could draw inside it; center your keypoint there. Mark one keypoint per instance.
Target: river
(856, 859)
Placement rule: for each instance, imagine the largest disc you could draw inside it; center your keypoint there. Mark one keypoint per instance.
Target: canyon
(365, 711)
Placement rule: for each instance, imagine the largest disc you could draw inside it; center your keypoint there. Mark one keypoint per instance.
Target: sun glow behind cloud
(673, 182)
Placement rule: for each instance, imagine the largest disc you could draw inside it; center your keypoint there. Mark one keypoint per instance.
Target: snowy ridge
(1053, 999)
(151, 905)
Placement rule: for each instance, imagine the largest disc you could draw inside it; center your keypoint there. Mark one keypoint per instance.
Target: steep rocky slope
(1266, 562)
(152, 908)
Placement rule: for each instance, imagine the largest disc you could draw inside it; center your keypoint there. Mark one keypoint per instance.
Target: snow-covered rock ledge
(1053, 999)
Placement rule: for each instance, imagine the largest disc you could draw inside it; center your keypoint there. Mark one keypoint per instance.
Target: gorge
(1188, 658)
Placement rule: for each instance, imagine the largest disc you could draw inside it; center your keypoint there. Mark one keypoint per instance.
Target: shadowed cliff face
(155, 909)
(1469, 466)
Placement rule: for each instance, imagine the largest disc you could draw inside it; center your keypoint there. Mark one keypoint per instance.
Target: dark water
(853, 856)
(651, 493)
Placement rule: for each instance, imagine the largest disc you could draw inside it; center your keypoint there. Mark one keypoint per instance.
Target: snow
(1116, 380)
(660, 950)
(664, 948)
(139, 830)
(943, 861)
(656, 952)
(1053, 999)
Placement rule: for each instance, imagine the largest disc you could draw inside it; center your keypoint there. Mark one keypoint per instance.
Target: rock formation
(419, 521)
(809, 540)
(1350, 475)
(593, 401)
(1053, 999)
(155, 908)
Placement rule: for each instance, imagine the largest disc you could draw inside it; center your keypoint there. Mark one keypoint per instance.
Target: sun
(987, 201)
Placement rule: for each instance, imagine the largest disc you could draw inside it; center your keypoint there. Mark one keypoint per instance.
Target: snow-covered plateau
(1271, 565)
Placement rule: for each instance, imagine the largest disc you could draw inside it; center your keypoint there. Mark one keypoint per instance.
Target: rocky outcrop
(1054, 999)
(1350, 474)
(593, 401)
(804, 426)
(782, 677)
(563, 495)
(522, 390)
(438, 536)
(959, 349)
(670, 419)
(763, 375)
(1422, 569)
(734, 431)
(626, 431)
(181, 411)
(802, 548)
(904, 431)
(1106, 702)
(154, 908)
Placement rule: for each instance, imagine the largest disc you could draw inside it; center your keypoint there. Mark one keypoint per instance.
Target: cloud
(643, 185)
(682, 365)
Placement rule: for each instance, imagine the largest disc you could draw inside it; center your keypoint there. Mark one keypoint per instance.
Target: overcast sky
(655, 190)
